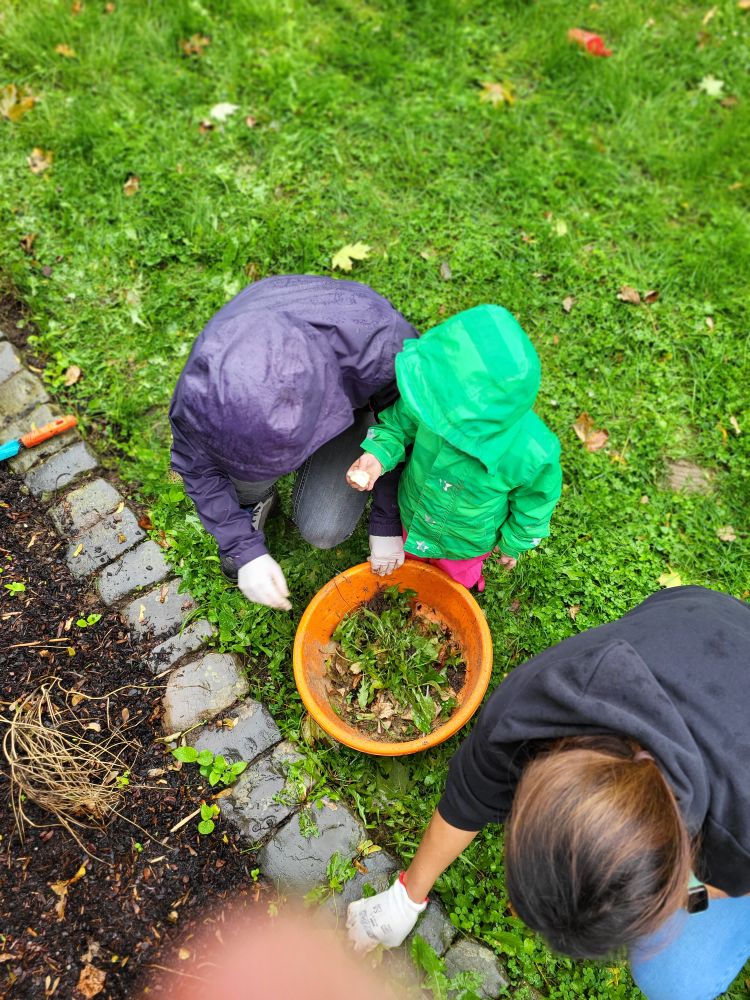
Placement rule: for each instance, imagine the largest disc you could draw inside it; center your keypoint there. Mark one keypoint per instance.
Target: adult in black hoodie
(620, 760)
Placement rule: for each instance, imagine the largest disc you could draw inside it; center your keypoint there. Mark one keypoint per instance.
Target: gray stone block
(18, 394)
(10, 363)
(254, 732)
(140, 567)
(298, 863)
(199, 690)
(60, 469)
(103, 543)
(159, 612)
(84, 507)
(169, 652)
(469, 956)
(262, 797)
(435, 926)
(402, 975)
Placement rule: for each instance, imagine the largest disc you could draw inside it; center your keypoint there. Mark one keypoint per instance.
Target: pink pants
(465, 571)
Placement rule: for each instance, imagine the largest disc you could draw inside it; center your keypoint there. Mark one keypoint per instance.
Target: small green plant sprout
(137, 847)
(463, 986)
(208, 815)
(122, 780)
(216, 768)
(338, 872)
(88, 621)
(15, 588)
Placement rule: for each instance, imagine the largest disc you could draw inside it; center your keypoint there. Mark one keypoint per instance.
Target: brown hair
(596, 851)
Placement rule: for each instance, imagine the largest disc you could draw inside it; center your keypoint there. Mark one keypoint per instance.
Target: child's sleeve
(388, 439)
(531, 507)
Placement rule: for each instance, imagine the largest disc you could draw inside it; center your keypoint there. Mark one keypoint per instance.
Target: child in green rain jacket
(484, 470)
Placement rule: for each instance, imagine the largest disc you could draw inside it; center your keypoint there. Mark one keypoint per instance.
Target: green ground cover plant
(146, 205)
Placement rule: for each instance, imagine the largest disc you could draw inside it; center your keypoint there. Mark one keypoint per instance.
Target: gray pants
(324, 507)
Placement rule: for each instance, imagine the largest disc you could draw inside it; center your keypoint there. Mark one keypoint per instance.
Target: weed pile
(395, 672)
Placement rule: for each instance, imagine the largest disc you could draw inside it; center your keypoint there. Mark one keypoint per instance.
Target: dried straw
(54, 764)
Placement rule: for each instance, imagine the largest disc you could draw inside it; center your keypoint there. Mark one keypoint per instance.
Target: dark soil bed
(151, 891)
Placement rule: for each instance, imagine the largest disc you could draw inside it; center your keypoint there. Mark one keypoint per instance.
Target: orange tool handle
(49, 430)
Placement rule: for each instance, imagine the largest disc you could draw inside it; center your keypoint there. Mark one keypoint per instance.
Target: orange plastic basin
(454, 606)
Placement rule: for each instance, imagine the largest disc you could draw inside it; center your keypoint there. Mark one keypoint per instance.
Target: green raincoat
(484, 469)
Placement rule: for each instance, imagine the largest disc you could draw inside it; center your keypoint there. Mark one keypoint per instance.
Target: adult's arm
(215, 499)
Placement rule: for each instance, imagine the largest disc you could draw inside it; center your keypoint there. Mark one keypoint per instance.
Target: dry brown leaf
(109, 8)
(204, 125)
(72, 375)
(194, 45)
(183, 954)
(735, 424)
(125, 713)
(163, 592)
(27, 242)
(91, 981)
(40, 160)
(95, 726)
(726, 533)
(76, 7)
(629, 294)
(131, 185)
(651, 296)
(568, 302)
(573, 610)
(496, 93)
(592, 438)
(251, 122)
(65, 50)
(14, 102)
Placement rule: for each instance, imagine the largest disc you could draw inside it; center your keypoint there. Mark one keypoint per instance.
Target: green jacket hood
(471, 380)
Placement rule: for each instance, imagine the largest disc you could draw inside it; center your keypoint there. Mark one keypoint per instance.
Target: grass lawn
(362, 120)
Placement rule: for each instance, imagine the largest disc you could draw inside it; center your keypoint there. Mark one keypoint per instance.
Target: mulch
(146, 893)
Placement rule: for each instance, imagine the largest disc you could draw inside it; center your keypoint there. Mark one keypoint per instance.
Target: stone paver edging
(106, 545)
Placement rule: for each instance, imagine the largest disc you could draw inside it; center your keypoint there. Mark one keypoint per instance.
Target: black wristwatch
(697, 900)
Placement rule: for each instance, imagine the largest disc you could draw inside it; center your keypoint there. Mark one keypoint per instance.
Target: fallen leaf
(91, 981)
(592, 438)
(163, 592)
(708, 16)
(735, 425)
(251, 122)
(27, 242)
(711, 86)
(65, 50)
(568, 302)
(710, 322)
(183, 954)
(651, 296)
(528, 238)
(204, 125)
(92, 951)
(72, 375)
(14, 102)
(496, 93)
(670, 580)
(76, 699)
(352, 251)
(194, 45)
(743, 4)
(78, 550)
(145, 522)
(121, 538)
(76, 7)
(61, 891)
(110, 8)
(561, 227)
(40, 160)
(629, 294)
(726, 533)
(573, 610)
(223, 110)
(729, 102)
(131, 185)
(645, 499)
(125, 713)
(445, 272)
(618, 458)
(142, 612)
(94, 726)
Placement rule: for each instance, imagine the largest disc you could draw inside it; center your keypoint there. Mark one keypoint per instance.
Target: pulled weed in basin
(395, 673)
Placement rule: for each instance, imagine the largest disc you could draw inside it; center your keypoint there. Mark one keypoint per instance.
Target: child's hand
(364, 473)
(507, 561)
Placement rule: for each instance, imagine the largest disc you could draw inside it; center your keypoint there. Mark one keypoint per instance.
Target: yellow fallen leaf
(592, 438)
(194, 45)
(496, 93)
(90, 982)
(72, 375)
(744, 4)
(65, 50)
(629, 294)
(183, 954)
(670, 580)
(78, 550)
(14, 102)
(735, 425)
(351, 252)
(573, 610)
(726, 533)
(131, 185)
(40, 160)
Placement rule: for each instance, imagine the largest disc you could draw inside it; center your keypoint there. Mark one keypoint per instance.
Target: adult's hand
(383, 919)
(386, 553)
(262, 581)
(366, 465)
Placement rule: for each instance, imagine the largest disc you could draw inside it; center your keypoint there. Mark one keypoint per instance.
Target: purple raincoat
(274, 375)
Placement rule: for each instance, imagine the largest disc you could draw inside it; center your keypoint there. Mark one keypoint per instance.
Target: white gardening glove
(386, 553)
(383, 919)
(262, 581)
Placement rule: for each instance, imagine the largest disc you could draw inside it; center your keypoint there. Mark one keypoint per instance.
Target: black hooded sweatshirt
(672, 674)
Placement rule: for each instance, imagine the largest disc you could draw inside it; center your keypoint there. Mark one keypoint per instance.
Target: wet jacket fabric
(484, 469)
(673, 674)
(275, 374)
